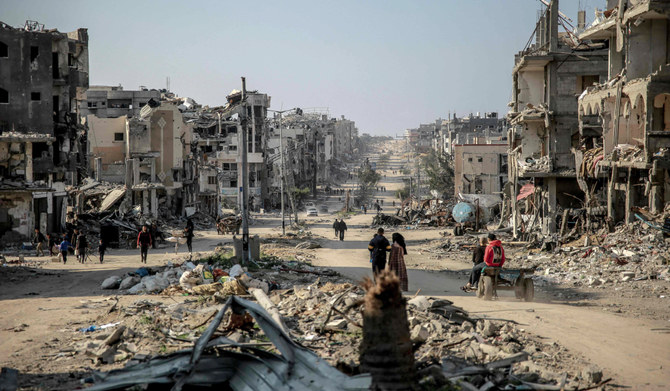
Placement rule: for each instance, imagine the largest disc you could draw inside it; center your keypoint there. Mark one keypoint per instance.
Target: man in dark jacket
(342, 227)
(336, 227)
(144, 242)
(81, 246)
(477, 264)
(188, 234)
(379, 246)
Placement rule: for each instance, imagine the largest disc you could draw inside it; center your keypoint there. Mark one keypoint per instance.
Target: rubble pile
(630, 256)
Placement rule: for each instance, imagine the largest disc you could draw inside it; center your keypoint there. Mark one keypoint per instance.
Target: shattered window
(211, 180)
(118, 136)
(34, 52)
(35, 96)
(4, 50)
(4, 96)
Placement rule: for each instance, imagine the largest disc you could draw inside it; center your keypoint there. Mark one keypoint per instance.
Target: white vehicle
(311, 211)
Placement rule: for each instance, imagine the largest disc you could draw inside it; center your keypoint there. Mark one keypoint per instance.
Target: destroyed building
(479, 168)
(42, 147)
(471, 129)
(624, 121)
(218, 143)
(114, 101)
(548, 77)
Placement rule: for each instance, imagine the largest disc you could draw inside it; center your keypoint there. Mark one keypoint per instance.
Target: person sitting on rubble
(478, 265)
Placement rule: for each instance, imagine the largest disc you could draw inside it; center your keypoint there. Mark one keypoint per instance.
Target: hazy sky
(388, 65)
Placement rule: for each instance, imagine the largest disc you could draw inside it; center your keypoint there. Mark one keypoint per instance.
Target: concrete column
(98, 169)
(29, 162)
(153, 170)
(145, 202)
(129, 173)
(630, 197)
(656, 198)
(551, 205)
(154, 203)
(136, 172)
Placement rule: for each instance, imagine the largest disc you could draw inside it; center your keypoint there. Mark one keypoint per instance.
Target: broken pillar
(657, 179)
(129, 173)
(29, 162)
(386, 350)
(551, 205)
(630, 197)
(153, 170)
(145, 202)
(154, 203)
(98, 169)
(136, 172)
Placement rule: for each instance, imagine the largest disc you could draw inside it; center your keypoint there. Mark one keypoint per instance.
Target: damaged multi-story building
(42, 145)
(625, 120)
(218, 145)
(548, 76)
(471, 129)
(146, 149)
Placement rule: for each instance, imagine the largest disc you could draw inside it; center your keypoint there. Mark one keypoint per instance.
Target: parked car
(311, 211)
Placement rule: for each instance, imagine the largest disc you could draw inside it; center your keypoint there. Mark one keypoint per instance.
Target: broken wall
(17, 219)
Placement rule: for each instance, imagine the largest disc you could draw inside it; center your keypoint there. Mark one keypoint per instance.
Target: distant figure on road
(342, 227)
(365, 209)
(336, 227)
(397, 260)
(39, 242)
(477, 264)
(82, 246)
(378, 247)
(102, 247)
(188, 234)
(144, 242)
(63, 248)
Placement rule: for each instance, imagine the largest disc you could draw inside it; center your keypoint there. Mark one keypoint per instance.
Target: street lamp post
(281, 164)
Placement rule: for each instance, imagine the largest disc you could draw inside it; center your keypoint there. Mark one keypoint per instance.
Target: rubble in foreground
(321, 311)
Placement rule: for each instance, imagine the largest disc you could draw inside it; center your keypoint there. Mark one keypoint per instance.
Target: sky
(388, 65)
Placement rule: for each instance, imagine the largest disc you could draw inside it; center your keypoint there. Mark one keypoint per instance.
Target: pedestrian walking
(102, 247)
(188, 234)
(365, 210)
(82, 246)
(342, 228)
(397, 260)
(378, 247)
(64, 247)
(144, 242)
(51, 242)
(336, 227)
(39, 240)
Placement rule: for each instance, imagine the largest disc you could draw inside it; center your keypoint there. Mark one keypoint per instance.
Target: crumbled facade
(42, 145)
(548, 77)
(624, 121)
(479, 168)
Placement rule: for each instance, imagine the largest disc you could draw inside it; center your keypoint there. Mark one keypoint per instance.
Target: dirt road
(636, 352)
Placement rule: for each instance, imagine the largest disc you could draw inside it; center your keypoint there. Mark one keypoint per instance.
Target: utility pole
(316, 160)
(281, 173)
(245, 176)
(418, 181)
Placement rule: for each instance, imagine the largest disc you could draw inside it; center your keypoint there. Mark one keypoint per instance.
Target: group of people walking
(379, 246)
(340, 227)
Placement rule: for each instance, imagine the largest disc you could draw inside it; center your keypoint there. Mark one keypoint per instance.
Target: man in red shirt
(144, 241)
(494, 254)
